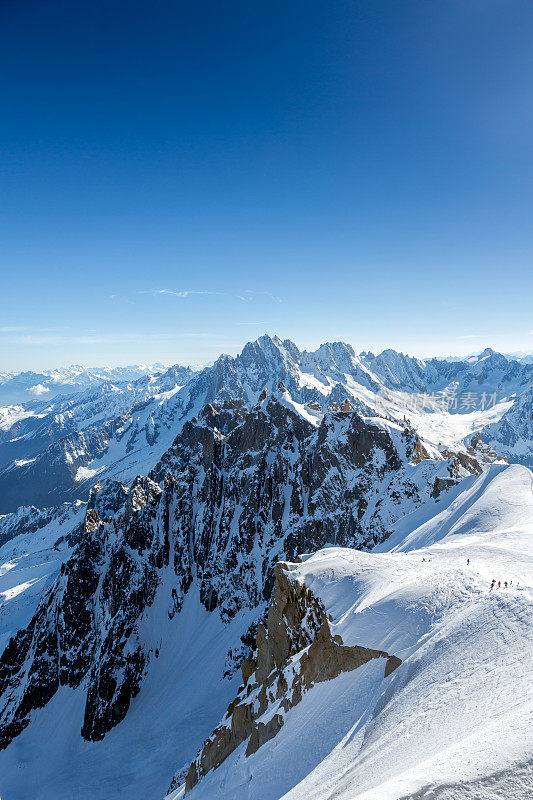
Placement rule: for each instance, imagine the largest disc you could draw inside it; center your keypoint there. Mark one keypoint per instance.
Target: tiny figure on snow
(467, 561)
(505, 585)
(499, 584)
(493, 584)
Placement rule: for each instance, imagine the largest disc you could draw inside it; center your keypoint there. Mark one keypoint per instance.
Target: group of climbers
(494, 585)
(497, 584)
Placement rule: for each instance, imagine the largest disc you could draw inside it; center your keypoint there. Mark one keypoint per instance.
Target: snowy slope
(453, 721)
(238, 491)
(513, 433)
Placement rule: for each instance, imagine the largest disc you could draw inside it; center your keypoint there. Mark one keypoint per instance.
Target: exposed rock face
(418, 451)
(297, 625)
(442, 485)
(238, 491)
(294, 616)
(85, 625)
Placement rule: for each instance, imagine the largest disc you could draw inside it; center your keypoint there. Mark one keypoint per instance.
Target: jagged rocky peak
(494, 358)
(345, 407)
(295, 649)
(121, 429)
(400, 371)
(107, 497)
(337, 355)
(268, 352)
(214, 421)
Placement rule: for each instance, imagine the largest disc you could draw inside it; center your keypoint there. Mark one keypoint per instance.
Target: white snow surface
(454, 720)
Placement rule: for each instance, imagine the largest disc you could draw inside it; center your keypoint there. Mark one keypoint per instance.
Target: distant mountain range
(22, 387)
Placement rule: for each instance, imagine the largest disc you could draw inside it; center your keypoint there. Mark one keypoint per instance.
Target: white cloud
(470, 336)
(38, 389)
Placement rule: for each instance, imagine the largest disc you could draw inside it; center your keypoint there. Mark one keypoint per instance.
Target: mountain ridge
(125, 429)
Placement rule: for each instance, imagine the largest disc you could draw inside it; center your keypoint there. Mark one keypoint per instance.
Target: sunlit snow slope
(454, 720)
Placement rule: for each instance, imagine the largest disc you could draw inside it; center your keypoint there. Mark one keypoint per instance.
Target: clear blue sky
(320, 170)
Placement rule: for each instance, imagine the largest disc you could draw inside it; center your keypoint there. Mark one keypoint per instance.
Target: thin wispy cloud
(245, 296)
(184, 292)
(470, 336)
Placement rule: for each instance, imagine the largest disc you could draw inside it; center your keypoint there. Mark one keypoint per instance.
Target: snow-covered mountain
(22, 387)
(513, 433)
(132, 603)
(46, 450)
(53, 454)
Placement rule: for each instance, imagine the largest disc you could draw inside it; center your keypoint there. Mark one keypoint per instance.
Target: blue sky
(178, 178)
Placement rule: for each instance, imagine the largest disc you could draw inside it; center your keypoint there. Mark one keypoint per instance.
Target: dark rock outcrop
(297, 632)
